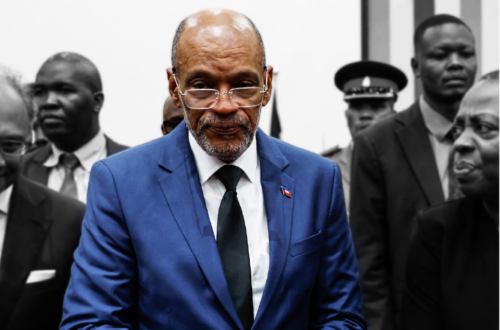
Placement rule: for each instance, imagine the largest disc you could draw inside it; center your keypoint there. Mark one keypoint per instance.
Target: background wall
(129, 41)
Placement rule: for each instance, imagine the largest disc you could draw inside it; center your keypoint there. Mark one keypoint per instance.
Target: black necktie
(69, 163)
(233, 246)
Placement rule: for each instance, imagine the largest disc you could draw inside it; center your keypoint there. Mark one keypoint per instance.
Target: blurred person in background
(39, 228)
(172, 116)
(452, 268)
(370, 89)
(68, 95)
(400, 165)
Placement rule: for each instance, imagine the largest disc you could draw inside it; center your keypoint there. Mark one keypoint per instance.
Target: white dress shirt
(90, 153)
(438, 127)
(4, 211)
(251, 199)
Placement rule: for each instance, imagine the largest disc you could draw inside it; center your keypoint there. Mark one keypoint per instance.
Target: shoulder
(304, 161)
(40, 155)
(142, 152)
(114, 147)
(59, 204)
(387, 126)
(446, 216)
(329, 153)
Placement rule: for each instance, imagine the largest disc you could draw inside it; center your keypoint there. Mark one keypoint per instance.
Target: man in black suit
(400, 165)
(68, 94)
(39, 228)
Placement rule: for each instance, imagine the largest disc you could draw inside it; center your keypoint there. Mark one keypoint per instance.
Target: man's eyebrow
(207, 75)
(479, 116)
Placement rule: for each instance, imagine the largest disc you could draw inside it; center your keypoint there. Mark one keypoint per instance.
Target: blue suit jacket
(148, 258)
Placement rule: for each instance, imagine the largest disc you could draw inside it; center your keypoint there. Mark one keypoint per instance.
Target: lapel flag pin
(286, 192)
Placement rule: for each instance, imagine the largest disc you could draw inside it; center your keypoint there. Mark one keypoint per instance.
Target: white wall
(129, 41)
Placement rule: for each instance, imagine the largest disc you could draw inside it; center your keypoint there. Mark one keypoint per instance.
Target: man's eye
(246, 84)
(199, 85)
(467, 54)
(38, 92)
(482, 128)
(438, 56)
(456, 131)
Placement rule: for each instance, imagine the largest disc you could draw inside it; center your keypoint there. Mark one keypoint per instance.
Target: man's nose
(464, 142)
(455, 61)
(50, 101)
(225, 106)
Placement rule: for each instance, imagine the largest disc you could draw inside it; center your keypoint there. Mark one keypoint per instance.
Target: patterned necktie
(69, 163)
(233, 245)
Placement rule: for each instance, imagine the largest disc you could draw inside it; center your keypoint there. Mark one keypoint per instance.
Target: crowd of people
(215, 225)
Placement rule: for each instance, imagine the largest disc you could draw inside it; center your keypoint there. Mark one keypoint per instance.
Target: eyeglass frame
(25, 148)
(229, 93)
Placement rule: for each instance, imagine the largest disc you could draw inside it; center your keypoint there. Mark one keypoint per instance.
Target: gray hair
(14, 80)
(182, 26)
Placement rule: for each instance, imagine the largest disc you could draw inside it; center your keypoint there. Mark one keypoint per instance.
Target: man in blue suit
(216, 225)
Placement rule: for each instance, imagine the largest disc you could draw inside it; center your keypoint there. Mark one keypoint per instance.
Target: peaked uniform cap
(370, 79)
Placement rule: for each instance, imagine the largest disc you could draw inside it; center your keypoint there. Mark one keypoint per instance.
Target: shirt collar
(5, 199)
(435, 123)
(207, 165)
(87, 155)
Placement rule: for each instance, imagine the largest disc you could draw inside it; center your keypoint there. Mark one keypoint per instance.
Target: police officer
(370, 89)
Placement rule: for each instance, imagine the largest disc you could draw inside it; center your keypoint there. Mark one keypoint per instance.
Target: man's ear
(267, 94)
(164, 131)
(98, 101)
(415, 67)
(172, 88)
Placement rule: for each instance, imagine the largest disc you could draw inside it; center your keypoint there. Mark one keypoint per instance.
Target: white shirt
(438, 127)
(4, 211)
(251, 199)
(92, 152)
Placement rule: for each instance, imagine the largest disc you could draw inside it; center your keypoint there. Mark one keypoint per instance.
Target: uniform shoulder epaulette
(330, 152)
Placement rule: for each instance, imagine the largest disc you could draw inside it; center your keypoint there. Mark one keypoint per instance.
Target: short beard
(226, 152)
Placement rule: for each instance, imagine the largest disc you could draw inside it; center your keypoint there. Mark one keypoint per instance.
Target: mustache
(215, 117)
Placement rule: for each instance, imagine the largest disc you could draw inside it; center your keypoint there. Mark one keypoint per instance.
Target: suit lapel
(182, 190)
(37, 172)
(27, 229)
(415, 143)
(279, 209)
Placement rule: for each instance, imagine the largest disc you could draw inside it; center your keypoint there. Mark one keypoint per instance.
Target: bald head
(86, 69)
(211, 24)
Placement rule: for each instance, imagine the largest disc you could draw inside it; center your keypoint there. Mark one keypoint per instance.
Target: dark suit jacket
(393, 176)
(33, 162)
(452, 269)
(43, 231)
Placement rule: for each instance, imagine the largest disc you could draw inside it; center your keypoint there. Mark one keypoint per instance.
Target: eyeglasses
(203, 99)
(13, 147)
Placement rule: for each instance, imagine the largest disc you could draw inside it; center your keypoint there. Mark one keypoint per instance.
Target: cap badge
(366, 82)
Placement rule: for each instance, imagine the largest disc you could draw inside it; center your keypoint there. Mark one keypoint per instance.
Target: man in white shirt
(39, 228)
(400, 166)
(68, 94)
(215, 226)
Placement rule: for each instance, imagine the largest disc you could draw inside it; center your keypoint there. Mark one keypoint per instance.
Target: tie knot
(229, 175)
(69, 161)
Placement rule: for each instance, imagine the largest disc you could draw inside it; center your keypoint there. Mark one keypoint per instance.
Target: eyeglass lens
(241, 97)
(12, 147)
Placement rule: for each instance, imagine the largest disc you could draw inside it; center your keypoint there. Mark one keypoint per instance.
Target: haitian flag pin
(286, 192)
